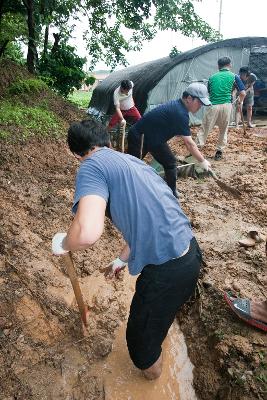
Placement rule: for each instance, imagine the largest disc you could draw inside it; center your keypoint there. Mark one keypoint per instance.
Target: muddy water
(122, 381)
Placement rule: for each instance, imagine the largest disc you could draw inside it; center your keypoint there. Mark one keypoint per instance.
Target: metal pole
(220, 16)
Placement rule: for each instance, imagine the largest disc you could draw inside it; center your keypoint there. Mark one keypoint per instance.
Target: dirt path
(43, 355)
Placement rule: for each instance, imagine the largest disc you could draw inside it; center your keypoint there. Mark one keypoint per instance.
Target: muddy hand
(114, 268)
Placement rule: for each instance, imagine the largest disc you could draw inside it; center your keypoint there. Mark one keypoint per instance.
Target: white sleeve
(116, 97)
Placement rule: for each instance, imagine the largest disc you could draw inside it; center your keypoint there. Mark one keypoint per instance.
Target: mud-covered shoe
(218, 155)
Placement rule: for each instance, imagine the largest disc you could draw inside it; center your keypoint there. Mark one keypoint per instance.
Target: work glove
(57, 240)
(114, 268)
(205, 164)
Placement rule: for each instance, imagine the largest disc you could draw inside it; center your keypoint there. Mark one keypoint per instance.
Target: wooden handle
(212, 173)
(123, 139)
(141, 147)
(243, 122)
(76, 287)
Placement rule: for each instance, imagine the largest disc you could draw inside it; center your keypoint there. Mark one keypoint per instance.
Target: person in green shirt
(220, 87)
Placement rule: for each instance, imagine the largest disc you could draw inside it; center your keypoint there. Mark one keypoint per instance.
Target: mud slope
(43, 353)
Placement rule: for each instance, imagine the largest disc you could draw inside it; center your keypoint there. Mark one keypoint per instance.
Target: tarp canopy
(164, 79)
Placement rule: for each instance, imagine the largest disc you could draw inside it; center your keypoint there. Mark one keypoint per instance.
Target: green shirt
(221, 86)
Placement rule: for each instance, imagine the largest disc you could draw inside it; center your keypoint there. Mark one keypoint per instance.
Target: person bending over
(156, 127)
(160, 246)
(124, 104)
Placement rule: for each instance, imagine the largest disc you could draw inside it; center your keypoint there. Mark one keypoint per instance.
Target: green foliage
(179, 15)
(80, 98)
(27, 86)
(13, 25)
(174, 52)
(89, 80)
(114, 27)
(107, 20)
(64, 67)
(27, 121)
(13, 52)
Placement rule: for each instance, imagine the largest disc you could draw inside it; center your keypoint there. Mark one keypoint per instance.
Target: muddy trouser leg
(166, 158)
(134, 144)
(160, 292)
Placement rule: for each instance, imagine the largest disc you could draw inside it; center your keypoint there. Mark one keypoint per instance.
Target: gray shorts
(249, 99)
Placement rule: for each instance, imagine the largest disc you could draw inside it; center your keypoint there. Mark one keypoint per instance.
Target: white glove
(123, 122)
(57, 240)
(205, 164)
(115, 267)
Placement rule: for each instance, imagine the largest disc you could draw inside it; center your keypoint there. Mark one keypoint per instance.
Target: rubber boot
(170, 178)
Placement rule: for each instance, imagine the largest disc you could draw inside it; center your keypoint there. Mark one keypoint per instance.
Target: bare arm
(118, 111)
(87, 225)
(192, 148)
(242, 95)
(125, 252)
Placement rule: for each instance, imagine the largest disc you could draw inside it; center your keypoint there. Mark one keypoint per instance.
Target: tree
(12, 24)
(107, 20)
(63, 68)
(114, 26)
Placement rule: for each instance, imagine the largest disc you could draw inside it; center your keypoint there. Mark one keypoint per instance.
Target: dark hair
(126, 84)
(244, 70)
(223, 62)
(86, 135)
(186, 94)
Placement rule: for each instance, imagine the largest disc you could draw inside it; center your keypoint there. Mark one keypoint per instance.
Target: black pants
(161, 153)
(160, 291)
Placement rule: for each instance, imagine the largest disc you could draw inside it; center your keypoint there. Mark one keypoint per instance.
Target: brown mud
(43, 352)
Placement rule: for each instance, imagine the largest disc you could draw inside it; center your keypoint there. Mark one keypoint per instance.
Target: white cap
(200, 91)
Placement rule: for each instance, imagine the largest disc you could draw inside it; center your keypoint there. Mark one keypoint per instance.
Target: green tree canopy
(113, 27)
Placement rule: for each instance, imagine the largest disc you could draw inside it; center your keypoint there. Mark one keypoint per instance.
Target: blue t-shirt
(142, 206)
(163, 122)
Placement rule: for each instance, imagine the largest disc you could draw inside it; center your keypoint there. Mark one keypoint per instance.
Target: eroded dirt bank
(43, 354)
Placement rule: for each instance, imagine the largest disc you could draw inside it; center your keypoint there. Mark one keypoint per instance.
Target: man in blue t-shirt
(162, 123)
(159, 243)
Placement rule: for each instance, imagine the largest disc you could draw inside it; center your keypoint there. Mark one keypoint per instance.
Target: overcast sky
(239, 18)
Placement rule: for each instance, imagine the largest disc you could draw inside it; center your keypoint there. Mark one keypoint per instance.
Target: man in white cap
(164, 122)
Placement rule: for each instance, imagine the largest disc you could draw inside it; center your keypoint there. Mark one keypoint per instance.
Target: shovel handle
(76, 287)
(123, 138)
(243, 122)
(212, 173)
(141, 146)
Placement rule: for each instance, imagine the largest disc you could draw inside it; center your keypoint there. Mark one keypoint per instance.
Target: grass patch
(80, 98)
(27, 86)
(18, 120)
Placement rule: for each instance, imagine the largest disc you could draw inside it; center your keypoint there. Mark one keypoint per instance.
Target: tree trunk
(1, 9)
(3, 46)
(57, 38)
(46, 40)
(32, 56)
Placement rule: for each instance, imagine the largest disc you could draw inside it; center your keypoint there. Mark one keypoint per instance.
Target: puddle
(122, 381)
